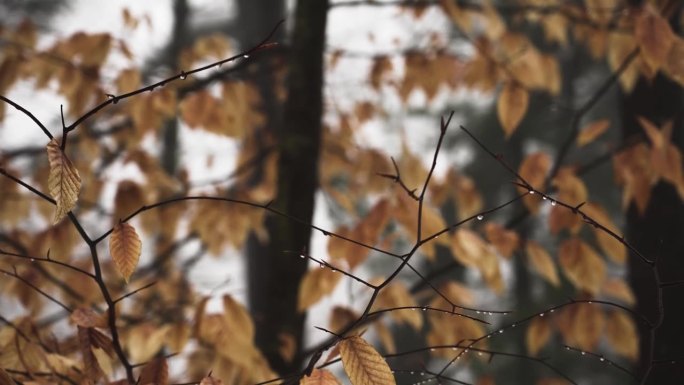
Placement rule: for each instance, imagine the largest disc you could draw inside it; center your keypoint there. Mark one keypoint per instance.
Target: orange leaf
(541, 261)
(655, 38)
(588, 323)
(537, 335)
(319, 377)
(592, 131)
(64, 181)
(125, 247)
(363, 364)
(511, 106)
(622, 335)
(582, 265)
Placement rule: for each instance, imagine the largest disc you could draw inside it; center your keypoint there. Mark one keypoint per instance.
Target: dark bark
(275, 274)
(659, 235)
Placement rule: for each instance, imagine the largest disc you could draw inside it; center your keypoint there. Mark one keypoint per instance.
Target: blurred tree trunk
(274, 274)
(659, 232)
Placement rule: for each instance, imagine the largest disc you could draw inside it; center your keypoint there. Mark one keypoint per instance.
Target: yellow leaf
(363, 364)
(316, 284)
(64, 181)
(512, 106)
(622, 335)
(125, 247)
(582, 265)
(592, 131)
(537, 335)
(104, 361)
(541, 261)
(320, 377)
(655, 38)
(155, 372)
(237, 319)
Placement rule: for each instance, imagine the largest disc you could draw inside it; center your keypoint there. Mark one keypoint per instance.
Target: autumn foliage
(94, 269)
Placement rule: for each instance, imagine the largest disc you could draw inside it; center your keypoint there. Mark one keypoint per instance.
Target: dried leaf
(5, 378)
(64, 182)
(505, 241)
(541, 261)
(316, 284)
(592, 131)
(587, 326)
(155, 372)
(622, 335)
(363, 364)
(397, 295)
(512, 106)
(88, 318)
(210, 380)
(533, 169)
(537, 335)
(90, 364)
(125, 247)
(319, 377)
(612, 247)
(619, 289)
(582, 265)
(655, 38)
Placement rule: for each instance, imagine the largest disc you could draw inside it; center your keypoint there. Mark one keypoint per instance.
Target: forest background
(440, 191)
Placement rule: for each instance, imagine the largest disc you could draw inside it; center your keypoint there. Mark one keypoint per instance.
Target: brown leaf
(619, 289)
(363, 364)
(155, 372)
(64, 182)
(88, 318)
(505, 241)
(582, 265)
(319, 377)
(90, 364)
(125, 247)
(537, 335)
(5, 378)
(592, 131)
(512, 106)
(674, 66)
(210, 380)
(655, 37)
(541, 261)
(587, 326)
(622, 334)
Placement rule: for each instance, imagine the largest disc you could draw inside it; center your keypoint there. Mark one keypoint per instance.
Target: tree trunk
(274, 273)
(659, 235)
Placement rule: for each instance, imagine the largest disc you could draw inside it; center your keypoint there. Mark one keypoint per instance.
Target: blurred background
(353, 90)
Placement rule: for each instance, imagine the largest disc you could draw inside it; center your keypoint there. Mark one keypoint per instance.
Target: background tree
(414, 231)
